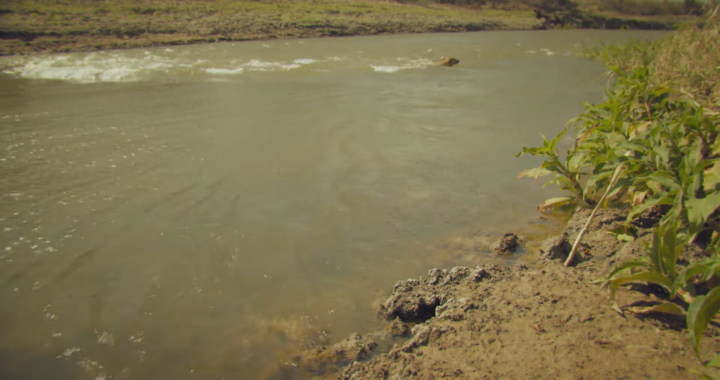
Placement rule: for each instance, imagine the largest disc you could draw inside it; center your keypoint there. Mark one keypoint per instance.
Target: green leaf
(700, 312)
(641, 262)
(712, 177)
(702, 375)
(660, 199)
(698, 210)
(666, 179)
(555, 203)
(653, 252)
(670, 249)
(714, 363)
(665, 307)
(534, 173)
(575, 163)
(707, 267)
(625, 237)
(592, 181)
(651, 277)
(712, 270)
(694, 156)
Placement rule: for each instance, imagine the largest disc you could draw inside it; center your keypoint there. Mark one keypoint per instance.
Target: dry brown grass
(687, 61)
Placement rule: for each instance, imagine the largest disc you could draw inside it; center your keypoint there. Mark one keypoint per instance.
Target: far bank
(45, 26)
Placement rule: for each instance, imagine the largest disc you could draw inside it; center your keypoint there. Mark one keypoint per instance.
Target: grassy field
(28, 26)
(56, 26)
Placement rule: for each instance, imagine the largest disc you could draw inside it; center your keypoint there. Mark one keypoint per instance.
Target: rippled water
(203, 211)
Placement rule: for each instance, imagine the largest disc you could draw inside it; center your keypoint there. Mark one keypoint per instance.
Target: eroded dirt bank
(544, 321)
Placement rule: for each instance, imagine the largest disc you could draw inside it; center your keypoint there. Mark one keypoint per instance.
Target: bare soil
(539, 322)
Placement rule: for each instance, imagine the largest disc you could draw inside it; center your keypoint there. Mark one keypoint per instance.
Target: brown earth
(54, 26)
(539, 322)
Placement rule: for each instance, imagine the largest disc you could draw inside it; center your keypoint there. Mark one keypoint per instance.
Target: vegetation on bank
(28, 26)
(71, 25)
(652, 147)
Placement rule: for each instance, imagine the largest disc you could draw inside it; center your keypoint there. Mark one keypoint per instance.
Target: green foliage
(660, 267)
(566, 173)
(647, 7)
(660, 135)
(665, 146)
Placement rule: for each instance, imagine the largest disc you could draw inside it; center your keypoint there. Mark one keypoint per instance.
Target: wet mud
(539, 320)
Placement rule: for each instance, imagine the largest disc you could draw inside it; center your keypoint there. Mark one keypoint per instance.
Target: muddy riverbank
(527, 321)
(56, 26)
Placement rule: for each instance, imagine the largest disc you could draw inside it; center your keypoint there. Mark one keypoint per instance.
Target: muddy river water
(200, 212)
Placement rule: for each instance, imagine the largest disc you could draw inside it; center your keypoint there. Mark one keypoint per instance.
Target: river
(202, 212)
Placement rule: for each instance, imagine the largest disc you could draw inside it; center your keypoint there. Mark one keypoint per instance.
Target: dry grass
(687, 61)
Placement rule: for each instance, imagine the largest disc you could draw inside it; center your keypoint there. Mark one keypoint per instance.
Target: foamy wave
(258, 65)
(402, 64)
(545, 51)
(385, 69)
(216, 71)
(90, 68)
(304, 61)
(136, 65)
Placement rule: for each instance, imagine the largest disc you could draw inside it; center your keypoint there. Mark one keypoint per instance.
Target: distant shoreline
(45, 26)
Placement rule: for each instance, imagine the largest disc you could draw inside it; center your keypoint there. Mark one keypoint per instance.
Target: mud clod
(479, 274)
(416, 301)
(352, 349)
(398, 328)
(507, 244)
(411, 305)
(555, 248)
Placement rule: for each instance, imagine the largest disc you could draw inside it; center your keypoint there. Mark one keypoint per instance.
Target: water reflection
(215, 211)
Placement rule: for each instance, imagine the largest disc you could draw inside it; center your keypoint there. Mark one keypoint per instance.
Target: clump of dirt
(497, 322)
(509, 243)
(416, 301)
(352, 349)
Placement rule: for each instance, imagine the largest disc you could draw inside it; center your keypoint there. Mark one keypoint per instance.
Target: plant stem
(614, 179)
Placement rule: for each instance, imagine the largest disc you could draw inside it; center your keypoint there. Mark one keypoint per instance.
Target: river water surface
(200, 212)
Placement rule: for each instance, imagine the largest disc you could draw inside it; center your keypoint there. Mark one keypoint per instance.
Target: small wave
(304, 61)
(547, 52)
(402, 64)
(258, 65)
(86, 69)
(385, 69)
(217, 71)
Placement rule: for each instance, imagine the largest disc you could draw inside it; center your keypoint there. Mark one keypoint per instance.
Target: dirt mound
(547, 322)
(416, 301)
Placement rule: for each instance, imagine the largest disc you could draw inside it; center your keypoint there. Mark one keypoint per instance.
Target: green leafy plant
(665, 150)
(566, 173)
(660, 267)
(652, 147)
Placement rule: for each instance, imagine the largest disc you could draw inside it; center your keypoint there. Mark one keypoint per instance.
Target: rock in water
(449, 61)
(507, 244)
